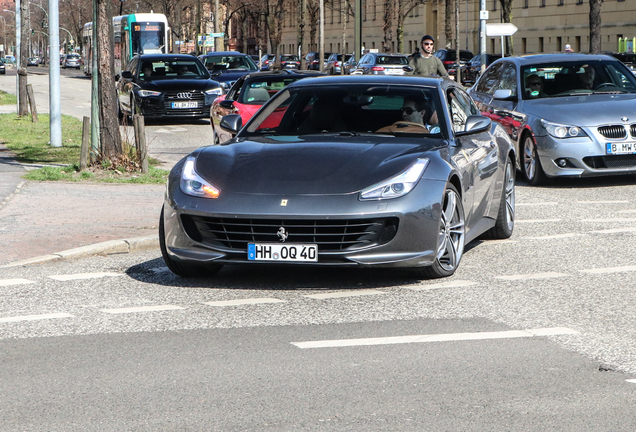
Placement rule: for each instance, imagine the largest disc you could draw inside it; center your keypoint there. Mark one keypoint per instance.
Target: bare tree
(387, 24)
(313, 15)
(595, 25)
(405, 7)
(448, 22)
(506, 16)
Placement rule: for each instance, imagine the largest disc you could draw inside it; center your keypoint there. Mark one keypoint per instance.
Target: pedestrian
(416, 54)
(426, 64)
(568, 48)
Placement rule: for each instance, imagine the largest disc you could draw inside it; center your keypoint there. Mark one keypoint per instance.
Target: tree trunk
(23, 106)
(387, 26)
(448, 23)
(301, 32)
(595, 26)
(506, 16)
(110, 138)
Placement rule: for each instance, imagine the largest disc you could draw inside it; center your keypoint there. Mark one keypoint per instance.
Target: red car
(247, 95)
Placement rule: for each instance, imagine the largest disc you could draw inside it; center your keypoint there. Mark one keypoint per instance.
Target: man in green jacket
(426, 64)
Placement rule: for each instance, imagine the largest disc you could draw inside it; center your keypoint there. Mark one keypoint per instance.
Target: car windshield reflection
(351, 109)
(162, 70)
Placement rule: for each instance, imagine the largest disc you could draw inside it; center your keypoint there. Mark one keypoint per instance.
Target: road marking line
(450, 284)
(627, 211)
(610, 270)
(142, 309)
(241, 302)
(614, 230)
(535, 204)
(546, 275)
(449, 337)
(522, 221)
(9, 282)
(84, 276)
(496, 242)
(604, 202)
(36, 317)
(633, 381)
(341, 294)
(609, 220)
(553, 237)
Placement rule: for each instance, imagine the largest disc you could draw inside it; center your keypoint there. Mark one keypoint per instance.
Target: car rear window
(389, 60)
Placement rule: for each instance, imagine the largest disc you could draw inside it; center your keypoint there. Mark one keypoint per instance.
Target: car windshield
(576, 77)
(259, 91)
(288, 58)
(216, 64)
(350, 109)
(392, 60)
(173, 69)
(71, 56)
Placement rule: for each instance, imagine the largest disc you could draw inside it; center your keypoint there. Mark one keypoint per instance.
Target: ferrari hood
(295, 166)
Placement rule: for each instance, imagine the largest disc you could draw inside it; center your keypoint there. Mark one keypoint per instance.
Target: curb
(105, 248)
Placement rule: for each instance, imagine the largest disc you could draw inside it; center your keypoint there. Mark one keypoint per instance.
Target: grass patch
(7, 98)
(30, 143)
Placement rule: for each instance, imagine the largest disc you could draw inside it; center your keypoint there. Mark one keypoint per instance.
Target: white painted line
(36, 317)
(496, 242)
(9, 282)
(633, 381)
(627, 211)
(609, 220)
(546, 275)
(528, 221)
(449, 337)
(341, 294)
(450, 284)
(535, 204)
(614, 231)
(610, 270)
(241, 302)
(604, 202)
(142, 309)
(553, 237)
(79, 276)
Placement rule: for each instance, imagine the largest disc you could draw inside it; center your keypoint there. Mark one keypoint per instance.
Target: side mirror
(127, 75)
(476, 124)
(227, 104)
(504, 94)
(231, 123)
(407, 69)
(117, 77)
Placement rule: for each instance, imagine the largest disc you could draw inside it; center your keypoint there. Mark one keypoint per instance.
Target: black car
(3, 68)
(33, 61)
(311, 60)
(628, 59)
(471, 70)
(166, 85)
(335, 171)
(449, 57)
(228, 66)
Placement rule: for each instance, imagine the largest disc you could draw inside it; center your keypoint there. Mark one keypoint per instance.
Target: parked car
(382, 64)
(267, 62)
(334, 64)
(62, 57)
(312, 62)
(472, 69)
(3, 68)
(247, 96)
(570, 115)
(32, 61)
(166, 85)
(228, 66)
(449, 57)
(628, 59)
(72, 61)
(309, 180)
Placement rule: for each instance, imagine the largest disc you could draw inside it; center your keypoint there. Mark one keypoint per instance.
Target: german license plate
(394, 71)
(282, 252)
(184, 105)
(621, 148)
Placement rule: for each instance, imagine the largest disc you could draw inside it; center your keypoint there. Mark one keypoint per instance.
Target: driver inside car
(417, 117)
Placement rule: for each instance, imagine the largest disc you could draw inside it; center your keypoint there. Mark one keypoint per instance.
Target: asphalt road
(532, 333)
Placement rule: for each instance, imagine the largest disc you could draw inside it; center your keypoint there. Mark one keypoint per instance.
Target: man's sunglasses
(538, 83)
(427, 43)
(407, 110)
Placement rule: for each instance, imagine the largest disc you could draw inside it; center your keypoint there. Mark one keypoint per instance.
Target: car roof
(556, 57)
(286, 72)
(375, 79)
(222, 53)
(166, 56)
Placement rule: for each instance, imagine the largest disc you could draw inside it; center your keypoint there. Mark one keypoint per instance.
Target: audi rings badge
(184, 95)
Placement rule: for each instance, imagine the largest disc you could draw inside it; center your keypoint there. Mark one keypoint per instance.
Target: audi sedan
(357, 171)
(570, 115)
(382, 64)
(166, 85)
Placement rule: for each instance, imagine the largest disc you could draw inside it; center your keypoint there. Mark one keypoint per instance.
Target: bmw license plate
(282, 252)
(184, 105)
(621, 148)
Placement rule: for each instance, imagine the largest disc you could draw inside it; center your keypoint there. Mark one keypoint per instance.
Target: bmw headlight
(192, 184)
(562, 131)
(396, 186)
(146, 93)
(215, 91)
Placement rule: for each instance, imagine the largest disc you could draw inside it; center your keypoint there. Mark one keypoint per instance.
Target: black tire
(178, 268)
(215, 136)
(530, 163)
(506, 216)
(451, 237)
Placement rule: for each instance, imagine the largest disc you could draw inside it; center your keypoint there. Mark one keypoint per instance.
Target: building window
(540, 44)
(542, 3)
(559, 44)
(579, 2)
(524, 48)
(525, 4)
(494, 5)
(561, 2)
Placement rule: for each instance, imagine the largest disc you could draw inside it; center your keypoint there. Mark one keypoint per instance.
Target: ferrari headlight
(215, 91)
(396, 186)
(192, 184)
(562, 131)
(146, 93)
